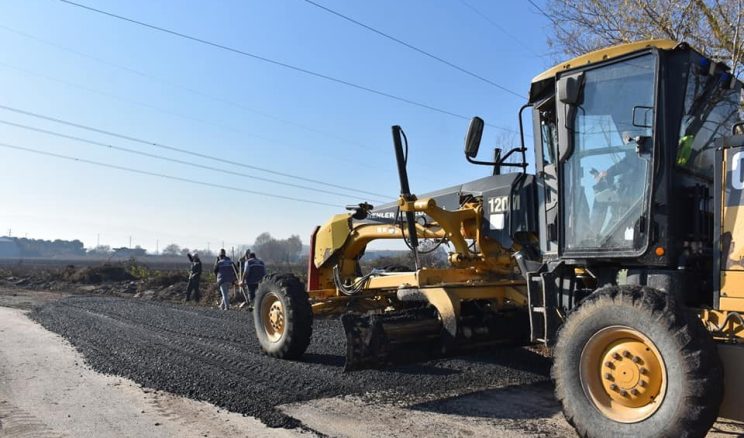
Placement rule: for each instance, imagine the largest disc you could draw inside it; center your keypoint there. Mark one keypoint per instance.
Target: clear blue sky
(66, 62)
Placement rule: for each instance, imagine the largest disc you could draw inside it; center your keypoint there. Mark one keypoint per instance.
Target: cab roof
(543, 83)
(605, 54)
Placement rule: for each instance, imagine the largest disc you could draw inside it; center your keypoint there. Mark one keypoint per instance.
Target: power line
(553, 20)
(166, 111)
(160, 175)
(416, 49)
(497, 26)
(181, 150)
(182, 87)
(172, 160)
(273, 62)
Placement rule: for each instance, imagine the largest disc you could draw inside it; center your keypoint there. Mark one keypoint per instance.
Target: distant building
(9, 247)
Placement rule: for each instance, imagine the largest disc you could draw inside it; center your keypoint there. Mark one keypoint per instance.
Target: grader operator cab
(623, 252)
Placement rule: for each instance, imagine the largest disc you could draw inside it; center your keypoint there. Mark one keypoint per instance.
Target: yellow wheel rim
(272, 316)
(623, 374)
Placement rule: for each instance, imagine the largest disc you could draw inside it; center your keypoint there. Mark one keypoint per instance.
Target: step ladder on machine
(541, 301)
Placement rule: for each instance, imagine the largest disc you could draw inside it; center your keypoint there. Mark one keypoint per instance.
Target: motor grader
(622, 252)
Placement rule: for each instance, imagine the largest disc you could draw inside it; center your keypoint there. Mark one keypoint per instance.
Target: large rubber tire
(694, 374)
(297, 325)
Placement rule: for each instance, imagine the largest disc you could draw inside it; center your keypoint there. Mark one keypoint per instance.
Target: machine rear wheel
(282, 316)
(630, 361)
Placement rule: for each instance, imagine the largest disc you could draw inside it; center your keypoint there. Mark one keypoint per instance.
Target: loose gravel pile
(210, 355)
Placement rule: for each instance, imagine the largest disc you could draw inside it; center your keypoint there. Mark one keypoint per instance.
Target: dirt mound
(128, 279)
(165, 279)
(97, 274)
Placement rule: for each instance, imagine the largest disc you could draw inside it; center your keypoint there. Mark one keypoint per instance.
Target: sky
(243, 116)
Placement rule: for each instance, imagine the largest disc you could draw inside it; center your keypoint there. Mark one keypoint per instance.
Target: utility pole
(157, 246)
(10, 234)
(130, 242)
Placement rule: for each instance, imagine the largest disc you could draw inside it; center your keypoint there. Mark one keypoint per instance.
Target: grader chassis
(620, 252)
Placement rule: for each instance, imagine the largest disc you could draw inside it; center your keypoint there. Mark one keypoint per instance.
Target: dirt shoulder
(46, 391)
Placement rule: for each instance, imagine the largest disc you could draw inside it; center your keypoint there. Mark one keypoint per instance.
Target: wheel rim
(623, 374)
(272, 316)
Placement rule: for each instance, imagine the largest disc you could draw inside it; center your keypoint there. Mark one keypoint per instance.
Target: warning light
(660, 251)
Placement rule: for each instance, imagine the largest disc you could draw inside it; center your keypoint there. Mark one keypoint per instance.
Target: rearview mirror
(473, 139)
(643, 116)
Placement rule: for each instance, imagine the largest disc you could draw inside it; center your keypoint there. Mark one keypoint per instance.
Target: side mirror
(473, 138)
(569, 94)
(569, 89)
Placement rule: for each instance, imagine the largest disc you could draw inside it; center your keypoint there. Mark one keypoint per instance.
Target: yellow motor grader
(623, 252)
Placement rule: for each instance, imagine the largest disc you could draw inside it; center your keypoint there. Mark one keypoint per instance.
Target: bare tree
(277, 250)
(711, 26)
(172, 250)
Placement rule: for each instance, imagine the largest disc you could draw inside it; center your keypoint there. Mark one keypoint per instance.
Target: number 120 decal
(500, 204)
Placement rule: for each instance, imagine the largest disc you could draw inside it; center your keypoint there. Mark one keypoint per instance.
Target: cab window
(711, 109)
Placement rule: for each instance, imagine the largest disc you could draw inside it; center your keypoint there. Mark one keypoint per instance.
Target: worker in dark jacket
(254, 271)
(224, 269)
(194, 278)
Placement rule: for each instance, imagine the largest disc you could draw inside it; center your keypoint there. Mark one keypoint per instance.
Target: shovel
(240, 287)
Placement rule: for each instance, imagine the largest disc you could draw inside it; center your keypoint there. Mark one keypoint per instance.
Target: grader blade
(376, 341)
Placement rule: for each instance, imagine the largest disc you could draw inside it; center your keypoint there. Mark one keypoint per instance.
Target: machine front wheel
(283, 316)
(631, 361)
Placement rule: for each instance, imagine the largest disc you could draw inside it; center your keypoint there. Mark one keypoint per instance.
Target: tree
(263, 239)
(172, 250)
(101, 250)
(274, 250)
(294, 247)
(711, 26)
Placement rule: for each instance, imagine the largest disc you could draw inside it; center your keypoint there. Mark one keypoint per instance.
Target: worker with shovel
(253, 273)
(224, 269)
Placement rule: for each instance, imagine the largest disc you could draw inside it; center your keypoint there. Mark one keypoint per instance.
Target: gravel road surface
(211, 355)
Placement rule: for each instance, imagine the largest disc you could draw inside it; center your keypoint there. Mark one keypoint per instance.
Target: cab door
(545, 134)
(605, 128)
